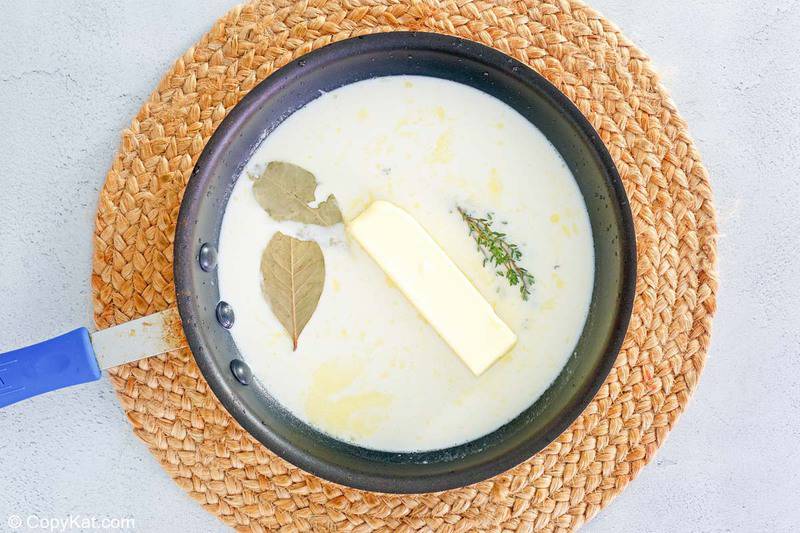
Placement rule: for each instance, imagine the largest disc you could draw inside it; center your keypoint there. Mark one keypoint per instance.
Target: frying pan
(77, 357)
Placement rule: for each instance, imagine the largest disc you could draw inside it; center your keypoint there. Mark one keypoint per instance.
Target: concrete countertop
(74, 72)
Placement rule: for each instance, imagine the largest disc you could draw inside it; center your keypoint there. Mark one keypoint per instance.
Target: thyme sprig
(499, 252)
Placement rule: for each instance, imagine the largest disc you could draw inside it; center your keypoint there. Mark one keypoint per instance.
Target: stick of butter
(433, 284)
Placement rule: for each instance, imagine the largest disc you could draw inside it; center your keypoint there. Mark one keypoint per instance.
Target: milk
(369, 369)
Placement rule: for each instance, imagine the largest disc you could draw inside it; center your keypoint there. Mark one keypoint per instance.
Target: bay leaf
(293, 276)
(284, 191)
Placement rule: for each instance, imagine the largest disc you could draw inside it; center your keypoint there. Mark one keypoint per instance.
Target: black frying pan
(300, 82)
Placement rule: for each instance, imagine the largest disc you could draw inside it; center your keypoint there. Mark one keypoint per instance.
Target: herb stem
(497, 250)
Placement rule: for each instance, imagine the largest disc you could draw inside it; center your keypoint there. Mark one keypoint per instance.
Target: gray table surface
(73, 73)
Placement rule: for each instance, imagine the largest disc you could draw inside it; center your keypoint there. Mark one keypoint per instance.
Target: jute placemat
(172, 409)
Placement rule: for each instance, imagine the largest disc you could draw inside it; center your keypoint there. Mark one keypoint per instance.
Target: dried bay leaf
(293, 276)
(284, 191)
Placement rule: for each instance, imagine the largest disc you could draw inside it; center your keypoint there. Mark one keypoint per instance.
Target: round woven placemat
(171, 407)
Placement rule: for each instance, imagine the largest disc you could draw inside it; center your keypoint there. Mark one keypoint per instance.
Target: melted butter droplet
(495, 184)
(331, 407)
(443, 151)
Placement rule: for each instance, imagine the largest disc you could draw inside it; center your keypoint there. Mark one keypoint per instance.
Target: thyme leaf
(498, 252)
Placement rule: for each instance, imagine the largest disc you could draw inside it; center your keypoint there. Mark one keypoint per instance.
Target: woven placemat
(171, 407)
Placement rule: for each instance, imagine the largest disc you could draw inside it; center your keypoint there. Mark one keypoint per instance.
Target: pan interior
(289, 89)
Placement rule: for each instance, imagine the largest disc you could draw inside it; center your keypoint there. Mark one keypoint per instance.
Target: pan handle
(49, 365)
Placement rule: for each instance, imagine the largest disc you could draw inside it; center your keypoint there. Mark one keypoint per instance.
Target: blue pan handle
(53, 364)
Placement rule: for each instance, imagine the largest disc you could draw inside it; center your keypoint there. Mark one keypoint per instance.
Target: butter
(433, 284)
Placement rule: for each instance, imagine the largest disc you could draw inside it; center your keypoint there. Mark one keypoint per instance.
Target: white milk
(369, 369)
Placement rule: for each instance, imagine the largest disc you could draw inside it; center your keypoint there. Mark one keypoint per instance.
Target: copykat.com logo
(76, 522)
